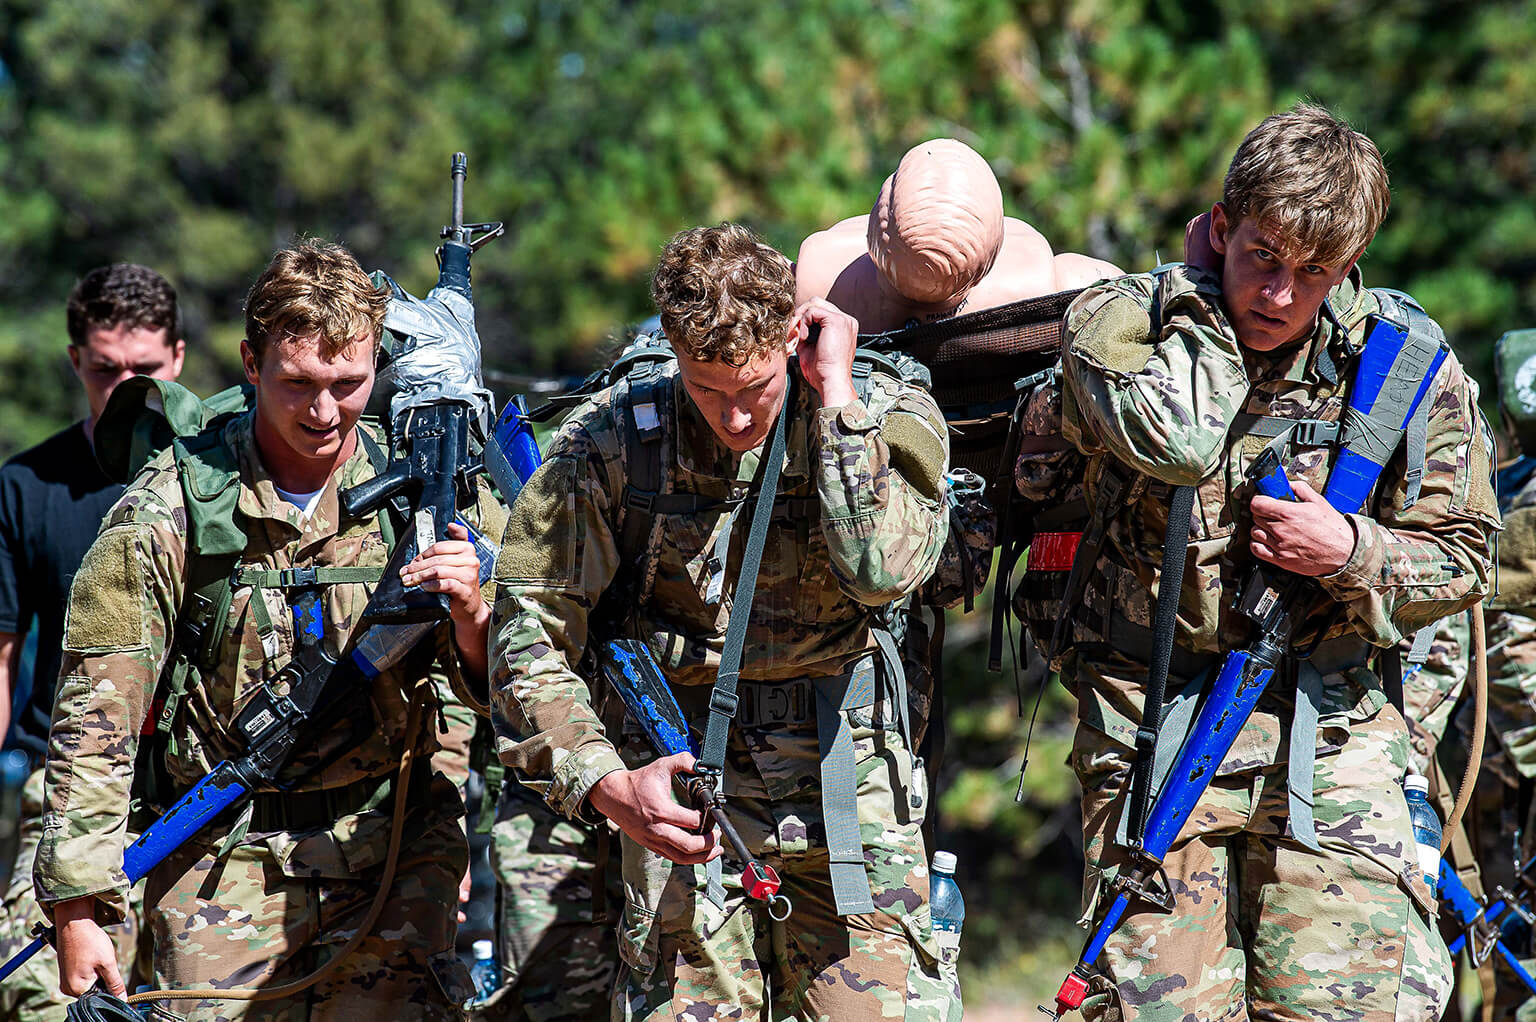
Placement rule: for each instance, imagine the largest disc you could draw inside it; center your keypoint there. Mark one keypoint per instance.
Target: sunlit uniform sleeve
(1162, 402)
(122, 614)
(558, 556)
(881, 483)
(1411, 566)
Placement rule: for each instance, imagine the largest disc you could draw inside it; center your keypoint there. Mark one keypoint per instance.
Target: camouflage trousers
(31, 994)
(1262, 926)
(245, 920)
(559, 899)
(686, 958)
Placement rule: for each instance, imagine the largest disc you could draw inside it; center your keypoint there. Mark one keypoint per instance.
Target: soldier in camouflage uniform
(1266, 924)
(559, 897)
(858, 525)
(266, 899)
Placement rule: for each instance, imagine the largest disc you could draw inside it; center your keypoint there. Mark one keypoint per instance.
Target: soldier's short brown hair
(122, 294)
(723, 294)
(314, 289)
(1312, 182)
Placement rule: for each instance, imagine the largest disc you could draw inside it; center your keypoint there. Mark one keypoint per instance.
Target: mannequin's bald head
(937, 226)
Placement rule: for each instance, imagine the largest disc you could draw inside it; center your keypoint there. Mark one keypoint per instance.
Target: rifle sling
(723, 699)
(1164, 622)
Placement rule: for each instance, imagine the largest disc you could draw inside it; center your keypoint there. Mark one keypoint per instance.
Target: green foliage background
(198, 136)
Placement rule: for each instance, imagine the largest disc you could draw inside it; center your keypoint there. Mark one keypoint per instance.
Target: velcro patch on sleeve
(106, 600)
(917, 451)
(542, 535)
(1113, 330)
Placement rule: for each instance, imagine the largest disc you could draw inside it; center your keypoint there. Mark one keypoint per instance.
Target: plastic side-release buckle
(1053, 551)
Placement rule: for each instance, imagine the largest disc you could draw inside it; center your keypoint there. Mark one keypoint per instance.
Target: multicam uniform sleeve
(558, 555)
(1416, 564)
(881, 483)
(122, 613)
(462, 700)
(1161, 403)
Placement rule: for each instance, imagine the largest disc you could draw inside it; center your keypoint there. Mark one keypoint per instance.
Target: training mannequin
(936, 244)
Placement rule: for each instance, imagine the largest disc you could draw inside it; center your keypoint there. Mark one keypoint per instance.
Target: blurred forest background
(198, 135)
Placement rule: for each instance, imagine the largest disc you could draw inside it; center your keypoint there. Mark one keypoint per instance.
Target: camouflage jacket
(122, 614)
(1174, 407)
(1512, 646)
(859, 523)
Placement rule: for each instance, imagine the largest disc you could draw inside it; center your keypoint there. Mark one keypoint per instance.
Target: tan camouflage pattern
(1263, 927)
(1165, 406)
(237, 922)
(558, 947)
(1431, 690)
(123, 608)
(31, 993)
(877, 539)
(687, 959)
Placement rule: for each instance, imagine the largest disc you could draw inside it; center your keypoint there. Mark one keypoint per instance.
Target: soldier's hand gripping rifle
(627, 665)
(439, 408)
(1403, 351)
(438, 373)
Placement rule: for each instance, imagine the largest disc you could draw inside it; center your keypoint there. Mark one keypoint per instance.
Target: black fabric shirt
(52, 500)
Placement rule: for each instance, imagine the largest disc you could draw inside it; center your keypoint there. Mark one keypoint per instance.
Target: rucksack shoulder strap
(647, 446)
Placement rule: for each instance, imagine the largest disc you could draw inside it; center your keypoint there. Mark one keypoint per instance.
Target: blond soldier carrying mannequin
(936, 244)
(857, 524)
(268, 898)
(1305, 903)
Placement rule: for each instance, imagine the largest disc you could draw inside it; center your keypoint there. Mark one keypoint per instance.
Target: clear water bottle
(1426, 826)
(485, 972)
(948, 907)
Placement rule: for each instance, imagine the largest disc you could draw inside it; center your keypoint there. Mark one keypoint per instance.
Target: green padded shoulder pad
(210, 482)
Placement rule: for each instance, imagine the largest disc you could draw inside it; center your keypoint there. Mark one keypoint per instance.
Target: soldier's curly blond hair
(314, 289)
(1311, 180)
(723, 294)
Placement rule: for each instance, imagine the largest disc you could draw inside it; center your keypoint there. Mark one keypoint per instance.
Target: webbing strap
(1306, 432)
(304, 578)
(839, 785)
(1164, 621)
(1113, 484)
(714, 881)
(1303, 753)
(722, 699)
(1423, 639)
(1416, 454)
(1391, 670)
(894, 674)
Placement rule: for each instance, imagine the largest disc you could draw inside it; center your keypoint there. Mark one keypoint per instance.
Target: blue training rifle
(629, 666)
(1482, 925)
(1400, 359)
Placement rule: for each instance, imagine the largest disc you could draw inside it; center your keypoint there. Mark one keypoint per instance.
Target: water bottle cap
(944, 862)
(1414, 782)
(484, 950)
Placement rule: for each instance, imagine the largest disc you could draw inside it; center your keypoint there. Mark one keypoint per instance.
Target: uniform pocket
(646, 876)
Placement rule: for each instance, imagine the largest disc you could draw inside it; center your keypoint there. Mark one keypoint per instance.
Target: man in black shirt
(122, 321)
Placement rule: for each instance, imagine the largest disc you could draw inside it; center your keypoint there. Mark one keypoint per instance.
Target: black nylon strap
(1391, 664)
(722, 699)
(1164, 620)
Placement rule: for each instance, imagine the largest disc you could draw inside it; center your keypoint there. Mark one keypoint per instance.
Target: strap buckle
(724, 702)
(643, 501)
(1315, 433)
(297, 578)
